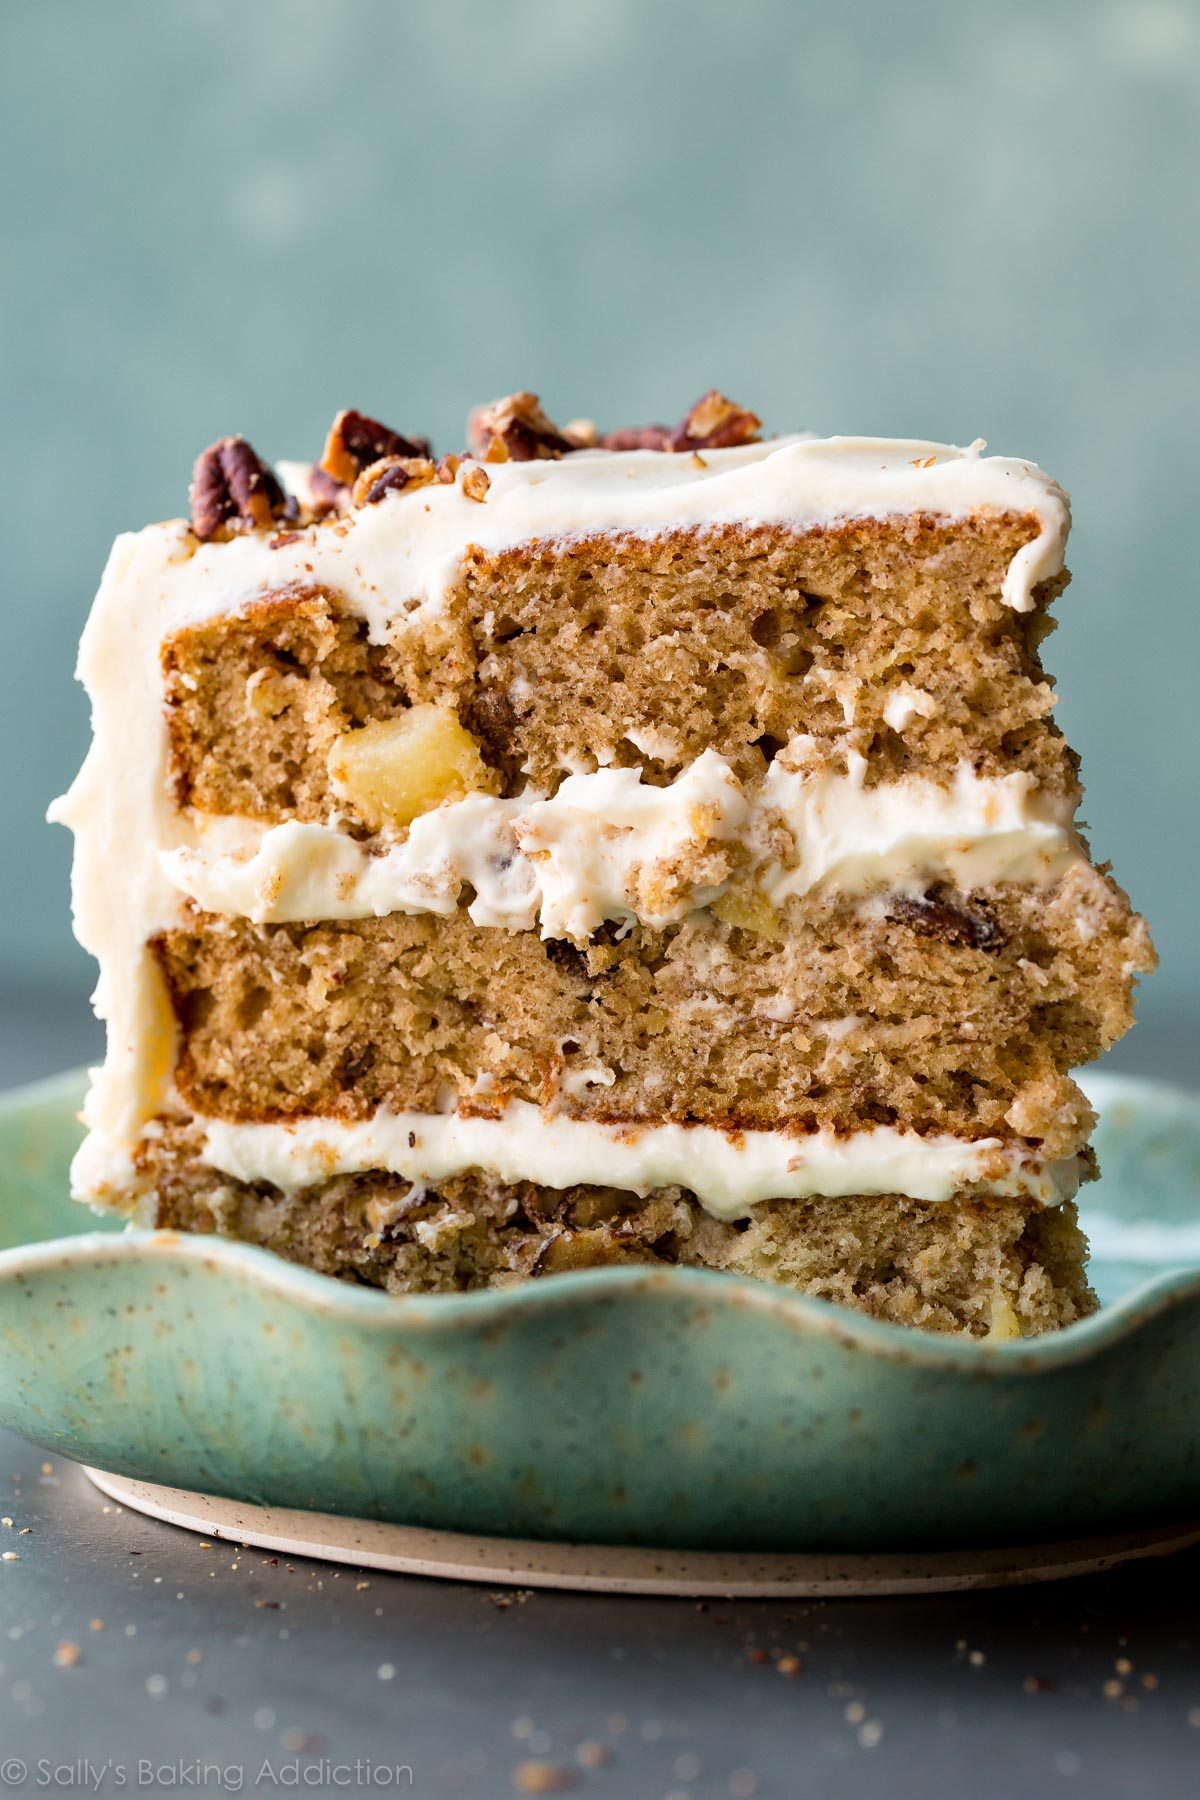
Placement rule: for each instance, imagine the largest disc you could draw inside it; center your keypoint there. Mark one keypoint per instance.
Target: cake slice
(655, 848)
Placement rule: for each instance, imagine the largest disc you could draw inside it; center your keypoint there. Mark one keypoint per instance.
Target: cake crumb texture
(640, 651)
(857, 1017)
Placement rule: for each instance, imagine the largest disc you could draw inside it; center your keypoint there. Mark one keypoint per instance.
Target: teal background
(938, 220)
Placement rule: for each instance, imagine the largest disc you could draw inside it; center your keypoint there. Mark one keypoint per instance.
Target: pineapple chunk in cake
(749, 909)
(394, 769)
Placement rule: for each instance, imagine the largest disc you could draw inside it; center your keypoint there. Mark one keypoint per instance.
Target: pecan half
(515, 429)
(392, 475)
(715, 423)
(232, 488)
(973, 924)
(355, 442)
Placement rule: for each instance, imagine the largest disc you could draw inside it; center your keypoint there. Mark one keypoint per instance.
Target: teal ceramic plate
(670, 1407)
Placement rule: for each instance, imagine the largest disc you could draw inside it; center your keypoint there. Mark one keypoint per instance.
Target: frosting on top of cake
(407, 548)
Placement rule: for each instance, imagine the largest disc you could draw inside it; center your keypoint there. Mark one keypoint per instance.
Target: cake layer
(943, 1013)
(887, 636)
(987, 1268)
(695, 601)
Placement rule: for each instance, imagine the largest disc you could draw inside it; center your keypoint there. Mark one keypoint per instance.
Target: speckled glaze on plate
(664, 1406)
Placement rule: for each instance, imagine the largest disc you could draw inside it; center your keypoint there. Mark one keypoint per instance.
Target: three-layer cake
(655, 849)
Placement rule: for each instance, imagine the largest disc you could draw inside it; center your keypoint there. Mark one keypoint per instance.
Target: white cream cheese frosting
(400, 557)
(603, 848)
(729, 1172)
(849, 838)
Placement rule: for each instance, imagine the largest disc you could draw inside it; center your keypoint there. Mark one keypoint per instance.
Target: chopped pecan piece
(567, 956)
(475, 482)
(447, 469)
(638, 437)
(326, 494)
(515, 429)
(232, 488)
(973, 924)
(392, 475)
(582, 433)
(715, 423)
(355, 442)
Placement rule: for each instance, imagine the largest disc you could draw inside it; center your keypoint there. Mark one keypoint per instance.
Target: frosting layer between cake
(729, 1172)
(607, 846)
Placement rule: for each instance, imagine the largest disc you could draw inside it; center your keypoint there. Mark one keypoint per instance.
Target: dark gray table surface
(138, 1657)
(190, 1652)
